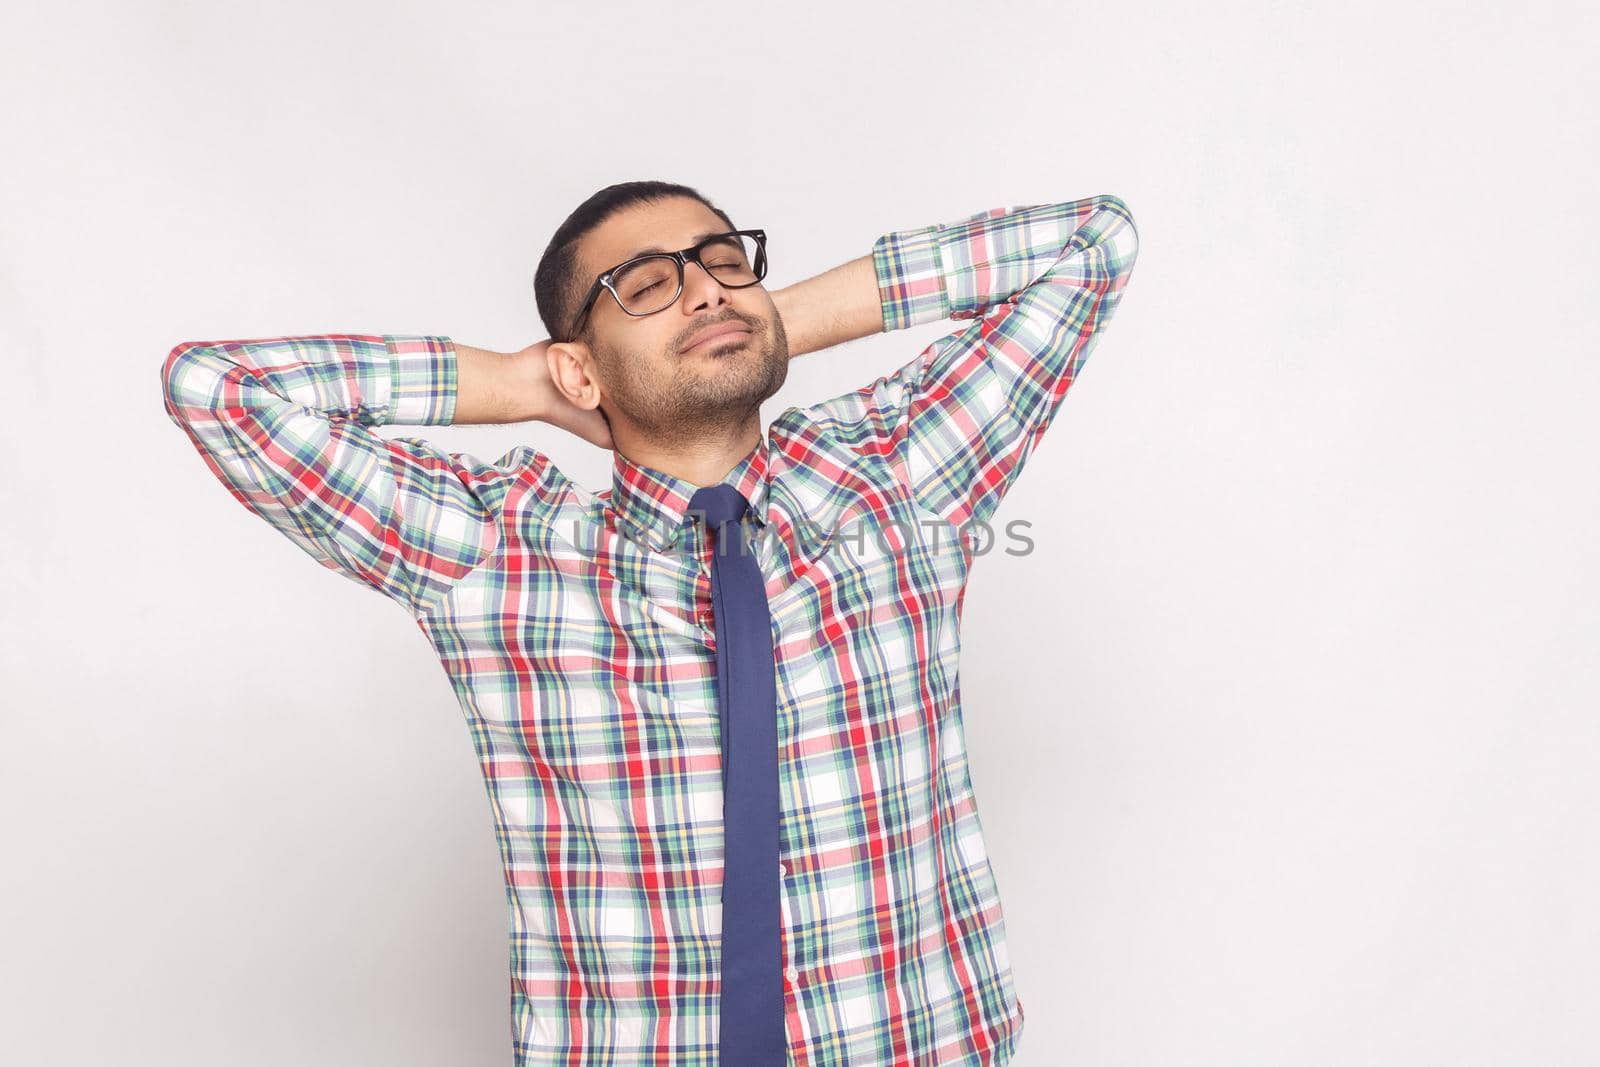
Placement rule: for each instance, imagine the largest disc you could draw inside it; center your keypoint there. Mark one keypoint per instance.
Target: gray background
(1284, 736)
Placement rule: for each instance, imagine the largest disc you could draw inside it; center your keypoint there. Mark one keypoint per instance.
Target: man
(666, 696)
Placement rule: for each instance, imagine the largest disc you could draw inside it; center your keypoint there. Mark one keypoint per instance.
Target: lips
(717, 333)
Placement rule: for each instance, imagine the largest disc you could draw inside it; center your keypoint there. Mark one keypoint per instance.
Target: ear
(574, 372)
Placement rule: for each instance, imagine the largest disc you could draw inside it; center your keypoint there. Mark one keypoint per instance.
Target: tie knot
(719, 503)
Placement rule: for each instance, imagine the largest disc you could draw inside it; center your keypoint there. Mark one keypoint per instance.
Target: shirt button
(783, 869)
(793, 973)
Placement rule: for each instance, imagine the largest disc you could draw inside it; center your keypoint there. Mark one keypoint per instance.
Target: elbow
(1116, 205)
(1121, 234)
(185, 381)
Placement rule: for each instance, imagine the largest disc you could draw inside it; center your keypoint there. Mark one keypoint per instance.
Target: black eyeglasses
(650, 283)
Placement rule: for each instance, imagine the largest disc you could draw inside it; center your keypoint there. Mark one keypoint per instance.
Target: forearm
(836, 306)
(369, 379)
(362, 376)
(494, 387)
(961, 269)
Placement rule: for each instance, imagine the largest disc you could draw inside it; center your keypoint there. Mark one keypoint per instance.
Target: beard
(704, 393)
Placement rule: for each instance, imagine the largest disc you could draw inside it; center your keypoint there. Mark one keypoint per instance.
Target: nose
(700, 289)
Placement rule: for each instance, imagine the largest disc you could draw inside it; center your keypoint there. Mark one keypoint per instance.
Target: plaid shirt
(575, 628)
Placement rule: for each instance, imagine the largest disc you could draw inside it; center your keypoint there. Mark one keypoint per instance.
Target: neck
(700, 459)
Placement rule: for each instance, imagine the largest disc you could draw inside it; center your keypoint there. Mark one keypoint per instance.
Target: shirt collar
(651, 505)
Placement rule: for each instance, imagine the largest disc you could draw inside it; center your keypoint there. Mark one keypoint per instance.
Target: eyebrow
(657, 248)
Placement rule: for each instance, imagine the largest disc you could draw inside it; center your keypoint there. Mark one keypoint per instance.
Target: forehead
(666, 225)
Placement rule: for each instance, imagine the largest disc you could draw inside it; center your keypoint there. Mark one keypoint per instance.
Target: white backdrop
(1284, 736)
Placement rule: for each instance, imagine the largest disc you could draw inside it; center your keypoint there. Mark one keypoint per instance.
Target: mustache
(688, 337)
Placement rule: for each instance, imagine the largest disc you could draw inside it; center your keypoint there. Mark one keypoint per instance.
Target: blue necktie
(752, 1005)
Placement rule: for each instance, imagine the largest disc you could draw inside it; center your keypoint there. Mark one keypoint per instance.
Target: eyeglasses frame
(682, 257)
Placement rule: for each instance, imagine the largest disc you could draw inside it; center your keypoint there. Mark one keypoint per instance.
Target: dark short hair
(557, 286)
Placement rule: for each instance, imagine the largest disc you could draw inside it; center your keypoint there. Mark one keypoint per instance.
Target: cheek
(643, 355)
(652, 367)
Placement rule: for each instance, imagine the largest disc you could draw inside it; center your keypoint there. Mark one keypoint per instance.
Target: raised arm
(285, 424)
(958, 422)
